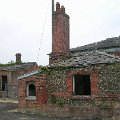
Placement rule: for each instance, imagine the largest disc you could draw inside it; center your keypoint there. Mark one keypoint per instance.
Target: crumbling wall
(105, 82)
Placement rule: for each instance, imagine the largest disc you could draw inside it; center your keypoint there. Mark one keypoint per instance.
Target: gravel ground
(20, 116)
(8, 111)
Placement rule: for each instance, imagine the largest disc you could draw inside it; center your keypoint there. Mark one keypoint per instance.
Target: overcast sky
(22, 23)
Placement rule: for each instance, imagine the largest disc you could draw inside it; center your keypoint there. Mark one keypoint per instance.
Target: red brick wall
(116, 53)
(68, 92)
(41, 92)
(93, 80)
(60, 33)
(60, 40)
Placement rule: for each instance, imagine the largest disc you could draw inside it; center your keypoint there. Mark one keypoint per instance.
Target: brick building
(9, 74)
(82, 80)
(32, 90)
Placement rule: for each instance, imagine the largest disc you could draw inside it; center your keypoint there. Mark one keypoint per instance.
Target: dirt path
(8, 111)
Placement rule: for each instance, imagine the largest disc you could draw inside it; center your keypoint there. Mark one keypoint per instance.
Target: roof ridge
(112, 42)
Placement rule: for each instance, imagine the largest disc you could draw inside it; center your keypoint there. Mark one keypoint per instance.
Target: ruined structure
(77, 81)
(9, 74)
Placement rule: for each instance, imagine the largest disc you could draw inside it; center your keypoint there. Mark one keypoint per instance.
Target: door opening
(4, 82)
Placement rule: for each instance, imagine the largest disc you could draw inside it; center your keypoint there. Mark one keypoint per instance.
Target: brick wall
(60, 34)
(60, 83)
(93, 79)
(60, 42)
(59, 90)
(12, 91)
(41, 92)
(116, 53)
(104, 98)
(104, 81)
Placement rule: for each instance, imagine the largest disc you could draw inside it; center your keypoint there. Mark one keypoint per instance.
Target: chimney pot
(62, 9)
(57, 6)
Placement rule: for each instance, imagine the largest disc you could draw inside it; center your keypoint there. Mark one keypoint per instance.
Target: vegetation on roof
(8, 64)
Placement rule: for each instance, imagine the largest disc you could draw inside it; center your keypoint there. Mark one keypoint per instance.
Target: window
(4, 83)
(81, 85)
(31, 90)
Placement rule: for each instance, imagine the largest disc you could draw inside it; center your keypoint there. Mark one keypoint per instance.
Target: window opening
(81, 85)
(31, 90)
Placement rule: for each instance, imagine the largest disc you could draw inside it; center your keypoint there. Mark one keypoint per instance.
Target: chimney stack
(18, 58)
(60, 33)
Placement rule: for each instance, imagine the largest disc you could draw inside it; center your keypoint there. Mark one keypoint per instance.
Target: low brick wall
(40, 90)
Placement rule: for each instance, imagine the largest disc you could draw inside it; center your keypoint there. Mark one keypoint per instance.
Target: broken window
(31, 89)
(4, 83)
(81, 85)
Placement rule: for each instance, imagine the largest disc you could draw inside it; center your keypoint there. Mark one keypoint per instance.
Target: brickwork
(116, 53)
(60, 40)
(93, 79)
(104, 91)
(41, 92)
(64, 85)
(12, 71)
(97, 95)
(60, 82)
(12, 88)
(18, 58)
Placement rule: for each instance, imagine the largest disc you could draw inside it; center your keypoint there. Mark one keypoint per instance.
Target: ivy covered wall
(109, 79)
(105, 82)
(105, 89)
(56, 80)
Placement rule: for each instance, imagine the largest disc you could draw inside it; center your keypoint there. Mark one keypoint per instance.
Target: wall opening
(4, 83)
(81, 85)
(31, 90)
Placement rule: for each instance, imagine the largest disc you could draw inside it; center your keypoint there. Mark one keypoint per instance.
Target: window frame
(27, 91)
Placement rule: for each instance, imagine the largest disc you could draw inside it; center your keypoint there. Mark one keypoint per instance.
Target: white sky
(22, 21)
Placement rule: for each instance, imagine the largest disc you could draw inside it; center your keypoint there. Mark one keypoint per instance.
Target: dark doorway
(4, 82)
(31, 89)
(82, 85)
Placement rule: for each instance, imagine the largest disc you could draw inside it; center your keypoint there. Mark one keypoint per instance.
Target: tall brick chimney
(60, 33)
(18, 58)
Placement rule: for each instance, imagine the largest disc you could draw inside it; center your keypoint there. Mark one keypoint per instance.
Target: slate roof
(28, 74)
(18, 66)
(113, 42)
(88, 58)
